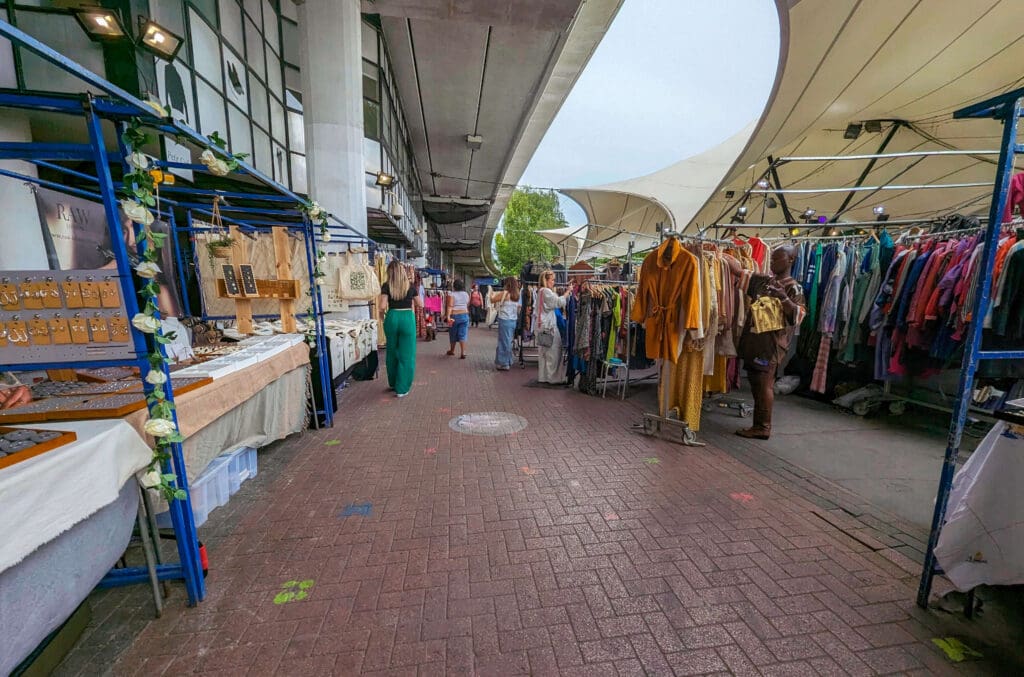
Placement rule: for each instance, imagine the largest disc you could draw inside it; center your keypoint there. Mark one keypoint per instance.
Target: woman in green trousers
(401, 299)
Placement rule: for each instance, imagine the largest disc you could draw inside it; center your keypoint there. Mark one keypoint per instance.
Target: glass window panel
(369, 43)
(370, 85)
(292, 100)
(205, 48)
(258, 99)
(385, 130)
(290, 42)
(264, 162)
(371, 120)
(252, 8)
(254, 50)
(241, 134)
(8, 74)
(64, 34)
(277, 124)
(292, 78)
(231, 23)
(274, 82)
(289, 10)
(208, 8)
(211, 109)
(270, 22)
(296, 132)
(371, 156)
(280, 164)
(236, 80)
(299, 184)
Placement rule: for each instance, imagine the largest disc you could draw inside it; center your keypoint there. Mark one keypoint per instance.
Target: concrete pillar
(20, 232)
(332, 103)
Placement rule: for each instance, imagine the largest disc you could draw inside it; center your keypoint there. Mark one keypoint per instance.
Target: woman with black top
(399, 298)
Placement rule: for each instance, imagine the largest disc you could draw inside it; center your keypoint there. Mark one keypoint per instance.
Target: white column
(20, 232)
(332, 103)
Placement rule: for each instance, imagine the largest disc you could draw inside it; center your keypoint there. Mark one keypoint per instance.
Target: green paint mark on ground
(652, 460)
(332, 443)
(293, 591)
(956, 650)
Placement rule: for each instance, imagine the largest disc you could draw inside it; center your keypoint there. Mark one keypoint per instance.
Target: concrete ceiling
(480, 67)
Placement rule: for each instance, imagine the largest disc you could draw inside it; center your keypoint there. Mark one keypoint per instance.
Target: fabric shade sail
(862, 78)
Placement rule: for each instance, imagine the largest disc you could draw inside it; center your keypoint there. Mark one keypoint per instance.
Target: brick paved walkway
(574, 546)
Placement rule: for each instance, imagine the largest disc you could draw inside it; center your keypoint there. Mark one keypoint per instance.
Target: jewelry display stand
(240, 285)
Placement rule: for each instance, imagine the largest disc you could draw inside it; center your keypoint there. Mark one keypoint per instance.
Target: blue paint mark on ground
(357, 509)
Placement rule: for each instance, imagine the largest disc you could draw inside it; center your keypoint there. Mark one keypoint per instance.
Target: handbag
(357, 281)
(546, 338)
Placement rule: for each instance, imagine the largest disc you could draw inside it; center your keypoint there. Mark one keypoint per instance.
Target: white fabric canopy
(569, 240)
(847, 61)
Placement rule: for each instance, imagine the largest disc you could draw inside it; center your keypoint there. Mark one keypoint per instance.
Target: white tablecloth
(44, 496)
(982, 541)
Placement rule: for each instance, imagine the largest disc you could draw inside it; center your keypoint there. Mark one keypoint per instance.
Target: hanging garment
(687, 386)
(766, 315)
(668, 298)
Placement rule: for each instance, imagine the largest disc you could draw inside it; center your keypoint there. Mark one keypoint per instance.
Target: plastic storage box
(208, 492)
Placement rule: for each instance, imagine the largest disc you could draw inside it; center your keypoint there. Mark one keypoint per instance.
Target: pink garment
(1015, 198)
(432, 304)
(820, 378)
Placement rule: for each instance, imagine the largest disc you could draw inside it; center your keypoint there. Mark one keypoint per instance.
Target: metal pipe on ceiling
(811, 191)
(877, 156)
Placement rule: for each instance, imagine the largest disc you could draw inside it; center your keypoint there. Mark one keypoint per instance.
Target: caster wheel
(861, 408)
(689, 437)
(897, 408)
(707, 406)
(649, 427)
(745, 411)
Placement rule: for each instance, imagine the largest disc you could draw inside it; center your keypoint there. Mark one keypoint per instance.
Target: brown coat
(667, 299)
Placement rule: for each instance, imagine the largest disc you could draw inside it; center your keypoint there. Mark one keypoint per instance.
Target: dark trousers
(762, 386)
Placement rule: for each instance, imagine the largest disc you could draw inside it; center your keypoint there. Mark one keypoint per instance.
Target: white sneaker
(401, 395)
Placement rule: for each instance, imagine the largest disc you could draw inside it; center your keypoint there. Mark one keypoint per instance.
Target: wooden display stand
(284, 289)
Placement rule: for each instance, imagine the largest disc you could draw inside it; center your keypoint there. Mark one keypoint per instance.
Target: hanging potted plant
(220, 243)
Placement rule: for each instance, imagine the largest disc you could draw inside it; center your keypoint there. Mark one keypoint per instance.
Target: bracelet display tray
(21, 444)
(82, 407)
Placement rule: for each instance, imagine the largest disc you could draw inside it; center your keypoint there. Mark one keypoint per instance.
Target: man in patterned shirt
(12, 392)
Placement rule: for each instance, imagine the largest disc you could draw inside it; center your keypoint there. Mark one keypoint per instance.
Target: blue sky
(670, 79)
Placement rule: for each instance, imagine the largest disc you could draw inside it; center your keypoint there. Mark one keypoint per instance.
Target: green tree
(528, 211)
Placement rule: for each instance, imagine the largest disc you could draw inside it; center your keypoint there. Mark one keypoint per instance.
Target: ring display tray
(21, 444)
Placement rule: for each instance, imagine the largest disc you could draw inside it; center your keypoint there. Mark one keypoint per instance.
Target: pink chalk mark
(430, 451)
(742, 498)
(611, 516)
(528, 470)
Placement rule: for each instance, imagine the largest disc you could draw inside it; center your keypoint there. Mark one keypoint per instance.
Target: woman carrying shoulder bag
(507, 303)
(549, 341)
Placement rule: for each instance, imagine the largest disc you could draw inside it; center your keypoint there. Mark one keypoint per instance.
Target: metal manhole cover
(491, 423)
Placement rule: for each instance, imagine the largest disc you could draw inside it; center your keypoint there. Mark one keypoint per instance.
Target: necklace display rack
(240, 283)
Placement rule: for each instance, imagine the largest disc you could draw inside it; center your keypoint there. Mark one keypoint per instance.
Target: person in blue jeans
(507, 301)
(458, 319)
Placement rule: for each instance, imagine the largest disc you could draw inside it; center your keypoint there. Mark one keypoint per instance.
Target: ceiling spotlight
(474, 141)
(770, 203)
(880, 214)
(741, 210)
(763, 184)
(852, 131)
(384, 179)
(873, 126)
(101, 25)
(158, 40)
(794, 231)
(809, 213)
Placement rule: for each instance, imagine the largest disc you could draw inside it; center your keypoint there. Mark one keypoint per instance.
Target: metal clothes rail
(1005, 108)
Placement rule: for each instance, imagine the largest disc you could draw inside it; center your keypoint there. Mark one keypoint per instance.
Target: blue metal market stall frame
(1007, 109)
(118, 106)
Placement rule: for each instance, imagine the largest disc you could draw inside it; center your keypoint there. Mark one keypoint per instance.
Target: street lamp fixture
(156, 39)
(384, 180)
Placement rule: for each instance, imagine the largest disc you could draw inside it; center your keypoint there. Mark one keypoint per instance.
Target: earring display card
(231, 281)
(248, 281)
(50, 316)
(21, 444)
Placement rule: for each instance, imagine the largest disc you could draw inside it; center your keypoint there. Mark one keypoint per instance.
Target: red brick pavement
(594, 561)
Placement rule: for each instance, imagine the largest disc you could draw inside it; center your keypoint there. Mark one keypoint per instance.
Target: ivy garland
(138, 192)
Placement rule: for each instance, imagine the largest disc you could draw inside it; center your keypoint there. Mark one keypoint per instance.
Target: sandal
(462, 357)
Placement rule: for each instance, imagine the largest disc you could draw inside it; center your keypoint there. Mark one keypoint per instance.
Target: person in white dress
(549, 362)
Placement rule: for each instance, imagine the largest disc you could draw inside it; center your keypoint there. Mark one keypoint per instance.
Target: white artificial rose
(216, 166)
(326, 237)
(160, 427)
(147, 269)
(137, 212)
(157, 107)
(145, 323)
(138, 160)
(156, 377)
(315, 211)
